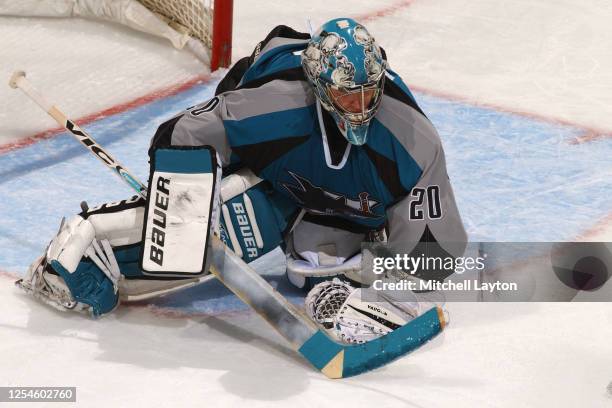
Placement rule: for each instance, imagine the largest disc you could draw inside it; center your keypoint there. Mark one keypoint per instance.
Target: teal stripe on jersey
(275, 60)
(270, 126)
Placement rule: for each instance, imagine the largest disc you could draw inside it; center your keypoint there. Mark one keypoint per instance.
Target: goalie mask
(347, 70)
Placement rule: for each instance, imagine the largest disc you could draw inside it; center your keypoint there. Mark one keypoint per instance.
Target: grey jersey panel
(413, 130)
(274, 96)
(203, 124)
(422, 142)
(205, 128)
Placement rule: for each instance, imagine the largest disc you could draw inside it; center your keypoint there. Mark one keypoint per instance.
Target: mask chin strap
(328, 159)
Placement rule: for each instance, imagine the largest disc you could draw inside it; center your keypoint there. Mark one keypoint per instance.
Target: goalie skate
(48, 288)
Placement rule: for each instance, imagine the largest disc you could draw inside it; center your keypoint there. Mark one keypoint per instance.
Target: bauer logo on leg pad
(158, 230)
(181, 195)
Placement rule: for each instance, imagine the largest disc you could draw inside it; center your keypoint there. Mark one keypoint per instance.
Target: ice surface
(492, 355)
(516, 177)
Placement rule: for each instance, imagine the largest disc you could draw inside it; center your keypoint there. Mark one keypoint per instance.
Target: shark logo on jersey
(319, 201)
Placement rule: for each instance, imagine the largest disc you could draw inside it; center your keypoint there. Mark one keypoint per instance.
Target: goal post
(202, 26)
(221, 55)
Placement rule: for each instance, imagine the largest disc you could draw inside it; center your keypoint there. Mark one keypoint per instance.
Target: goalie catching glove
(342, 311)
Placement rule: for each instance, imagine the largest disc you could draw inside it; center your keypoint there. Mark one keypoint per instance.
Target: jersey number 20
(434, 208)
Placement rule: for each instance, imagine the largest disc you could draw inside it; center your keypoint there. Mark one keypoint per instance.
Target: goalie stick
(332, 358)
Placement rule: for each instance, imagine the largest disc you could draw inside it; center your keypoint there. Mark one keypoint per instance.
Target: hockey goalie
(311, 143)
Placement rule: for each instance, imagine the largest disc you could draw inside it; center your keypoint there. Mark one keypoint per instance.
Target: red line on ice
(384, 12)
(9, 275)
(161, 311)
(603, 225)
(134, 103)
(589, 133)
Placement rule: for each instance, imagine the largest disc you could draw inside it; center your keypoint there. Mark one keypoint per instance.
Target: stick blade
(341, 361)
(17, 75)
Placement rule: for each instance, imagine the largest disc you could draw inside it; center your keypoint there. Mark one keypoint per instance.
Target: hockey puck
(582, 265)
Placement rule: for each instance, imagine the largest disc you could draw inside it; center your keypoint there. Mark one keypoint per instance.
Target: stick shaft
(22, 83)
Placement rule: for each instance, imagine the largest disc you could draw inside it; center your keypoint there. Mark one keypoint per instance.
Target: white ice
(547, 59)
(493, 355)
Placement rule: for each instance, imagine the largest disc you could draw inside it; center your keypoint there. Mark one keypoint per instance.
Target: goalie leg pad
(94, 261)
(180, 211)
(89, 285)
(253, 217)
(83, 255)
(86, 264)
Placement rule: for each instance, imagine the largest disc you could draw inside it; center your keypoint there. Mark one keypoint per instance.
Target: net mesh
(193, 17)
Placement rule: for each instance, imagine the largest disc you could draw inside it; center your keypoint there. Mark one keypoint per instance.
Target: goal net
(202, 26)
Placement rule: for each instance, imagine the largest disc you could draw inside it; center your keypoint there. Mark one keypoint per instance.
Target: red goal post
(202, 26)
(221, 55)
